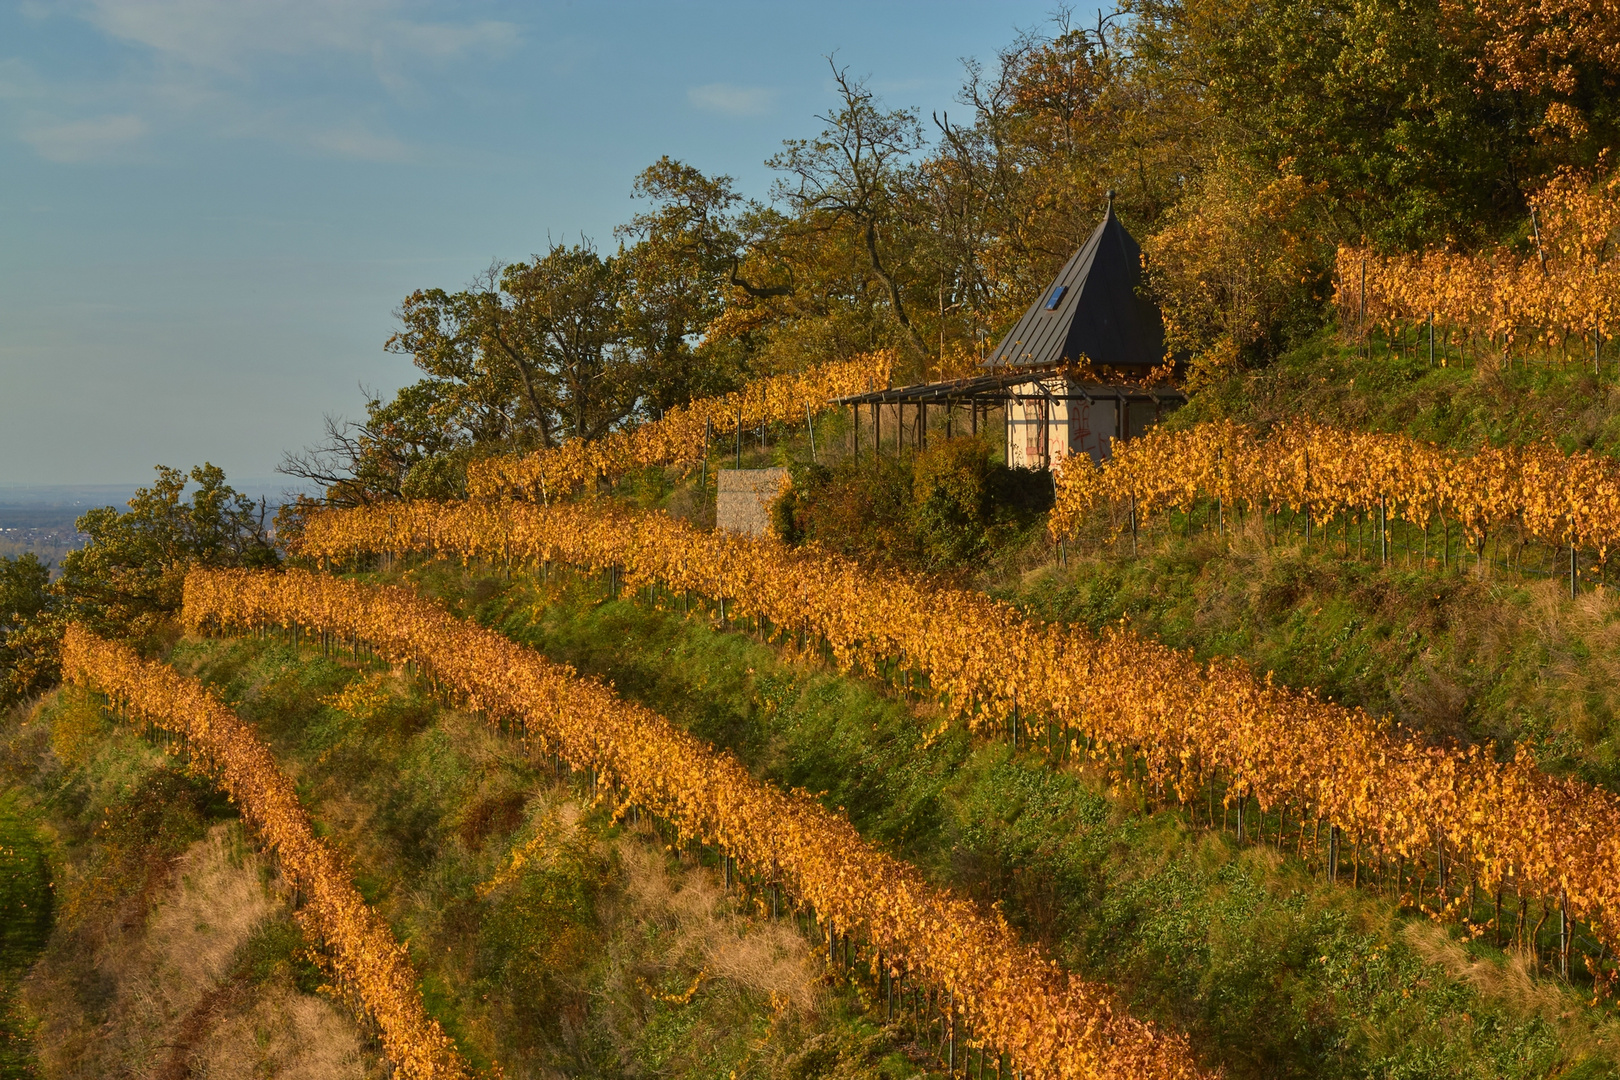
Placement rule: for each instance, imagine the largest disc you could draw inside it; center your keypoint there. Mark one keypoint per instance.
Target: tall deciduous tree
(544, 336)
(527, 355)
(27, 633)
(127, 581)
(851, 177)
(414, 445)
(561, 314)
(683, 255)
(1373, 98)
(1243, 141)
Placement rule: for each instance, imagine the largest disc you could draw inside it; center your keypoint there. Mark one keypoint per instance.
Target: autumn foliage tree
(1244, 145)
(27, 653)
(1239, 265)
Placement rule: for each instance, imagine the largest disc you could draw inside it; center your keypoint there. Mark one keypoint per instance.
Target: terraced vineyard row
(1152, 713)
(369, 963)
(1050, 1024)
(1534, 491)
(681, 436)
(1564, 290)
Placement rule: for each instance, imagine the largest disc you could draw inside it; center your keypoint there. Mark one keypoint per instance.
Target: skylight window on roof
(1057, 296)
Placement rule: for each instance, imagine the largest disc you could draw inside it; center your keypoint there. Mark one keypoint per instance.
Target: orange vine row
(1565, 285)
(1323, 471)
(1127, 700)
(367, 959)
(681, 436)
(1050, 1023)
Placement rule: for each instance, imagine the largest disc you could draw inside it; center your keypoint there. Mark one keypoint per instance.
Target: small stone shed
(744, 496)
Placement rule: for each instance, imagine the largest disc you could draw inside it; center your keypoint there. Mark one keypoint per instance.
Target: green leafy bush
(945, 509)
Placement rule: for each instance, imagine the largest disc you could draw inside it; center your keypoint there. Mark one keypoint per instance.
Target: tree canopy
(128, 580)
(1243, 141)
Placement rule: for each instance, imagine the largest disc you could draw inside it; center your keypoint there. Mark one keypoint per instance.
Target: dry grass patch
(770, 958)
(284, 1034)
(1514, 982)
(165, 996)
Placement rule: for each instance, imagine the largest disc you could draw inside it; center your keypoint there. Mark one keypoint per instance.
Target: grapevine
(1565, 287)
(1050, 1023)
(367, 959)
(1560, 499)
(681, 436)
(1174, 724)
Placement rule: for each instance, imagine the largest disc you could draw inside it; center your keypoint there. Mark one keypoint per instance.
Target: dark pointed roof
(1098, 314)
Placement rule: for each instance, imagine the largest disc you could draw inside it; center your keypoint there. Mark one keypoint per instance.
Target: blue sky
(208, 210)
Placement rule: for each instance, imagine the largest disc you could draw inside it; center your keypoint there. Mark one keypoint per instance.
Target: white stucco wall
(1087, 427)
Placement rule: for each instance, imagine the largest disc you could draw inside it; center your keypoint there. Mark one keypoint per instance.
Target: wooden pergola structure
(981, 393)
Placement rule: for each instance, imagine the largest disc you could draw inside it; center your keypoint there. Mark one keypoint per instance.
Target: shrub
(946, 509)
(951, 502)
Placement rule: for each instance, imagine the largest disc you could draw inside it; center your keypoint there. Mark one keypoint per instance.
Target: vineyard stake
(1383, 529)
(1572, 564)
(1361, 327)
(1563, 933)
(703, 470)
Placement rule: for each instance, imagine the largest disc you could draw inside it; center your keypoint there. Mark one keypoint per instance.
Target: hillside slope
(1272, 971)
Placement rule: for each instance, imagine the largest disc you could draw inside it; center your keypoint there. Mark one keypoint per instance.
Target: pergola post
(1046, 433)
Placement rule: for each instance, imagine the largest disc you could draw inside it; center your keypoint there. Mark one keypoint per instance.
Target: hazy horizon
(25, 494)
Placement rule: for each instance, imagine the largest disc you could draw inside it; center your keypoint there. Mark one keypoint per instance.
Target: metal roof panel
(1100, 315)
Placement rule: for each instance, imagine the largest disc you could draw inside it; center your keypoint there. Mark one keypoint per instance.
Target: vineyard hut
(1093, 317)
(1070, 375)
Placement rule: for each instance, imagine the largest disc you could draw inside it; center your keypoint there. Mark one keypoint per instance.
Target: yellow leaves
(365, 955)
(786, 838)
(540, 848)
(1328, 471)
(677, 999)
(1125, 694)
(1565, 287)
(681, 436)
(362, 699)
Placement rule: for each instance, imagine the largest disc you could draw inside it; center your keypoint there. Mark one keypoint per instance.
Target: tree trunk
(912, 337)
